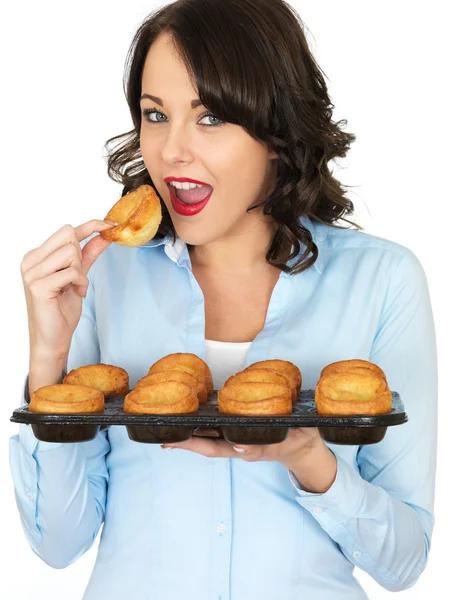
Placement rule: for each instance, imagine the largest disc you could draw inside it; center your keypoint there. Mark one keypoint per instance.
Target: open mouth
(192, 196)
(190, 202)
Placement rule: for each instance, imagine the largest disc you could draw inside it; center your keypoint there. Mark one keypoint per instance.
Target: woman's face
(180, 141)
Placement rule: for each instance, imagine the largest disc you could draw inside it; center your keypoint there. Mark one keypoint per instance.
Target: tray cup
(255, 436)
(64, 434)
(158, 434)
(357, 436)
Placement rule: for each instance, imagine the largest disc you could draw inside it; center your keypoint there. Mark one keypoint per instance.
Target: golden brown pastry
(349, 393)
(138, 215)
(355, 364)
(111, 380)
(185, 361)
(198, 385)
(165, 398)
(255, 398)
(266, 375)
(68, 399)
(285, 367)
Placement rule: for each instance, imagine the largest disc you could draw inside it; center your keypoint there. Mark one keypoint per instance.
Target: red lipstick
(181, 179)
(187, 210)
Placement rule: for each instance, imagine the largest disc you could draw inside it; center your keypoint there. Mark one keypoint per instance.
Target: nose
(177, 146)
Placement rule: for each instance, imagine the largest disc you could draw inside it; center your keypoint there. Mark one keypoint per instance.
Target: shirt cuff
(338, 504)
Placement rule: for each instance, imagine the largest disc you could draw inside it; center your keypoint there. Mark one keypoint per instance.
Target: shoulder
(357, 241)
(372, 268)
(352, 247)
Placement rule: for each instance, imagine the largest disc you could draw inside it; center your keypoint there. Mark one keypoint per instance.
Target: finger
(65, 235)
(50, 287)
(206, 447)
(85, 230)
(92, 251)
(250, 453)
(64, 257)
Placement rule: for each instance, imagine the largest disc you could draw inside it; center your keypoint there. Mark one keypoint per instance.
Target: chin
(208, 227)
(194, 238)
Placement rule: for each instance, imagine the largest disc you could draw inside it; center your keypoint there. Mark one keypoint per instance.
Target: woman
(227, 94)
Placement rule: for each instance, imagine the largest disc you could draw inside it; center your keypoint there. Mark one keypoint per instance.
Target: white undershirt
(225, 359)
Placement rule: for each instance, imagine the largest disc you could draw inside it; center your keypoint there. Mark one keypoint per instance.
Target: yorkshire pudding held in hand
(349, 393)
(139, 216)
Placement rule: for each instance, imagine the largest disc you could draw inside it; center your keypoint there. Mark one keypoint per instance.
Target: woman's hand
(55, 279)
(303, 452)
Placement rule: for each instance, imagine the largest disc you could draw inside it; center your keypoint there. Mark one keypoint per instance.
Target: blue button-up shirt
(180, 525)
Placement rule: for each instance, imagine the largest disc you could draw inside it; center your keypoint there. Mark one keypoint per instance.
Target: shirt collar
(178, 252)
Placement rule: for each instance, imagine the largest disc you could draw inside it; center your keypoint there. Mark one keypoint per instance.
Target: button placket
(221, 528)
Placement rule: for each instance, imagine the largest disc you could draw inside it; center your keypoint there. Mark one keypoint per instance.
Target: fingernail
(240, 450)
(110, 223)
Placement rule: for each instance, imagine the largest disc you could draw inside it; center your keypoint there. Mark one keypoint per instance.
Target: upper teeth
(185, 185)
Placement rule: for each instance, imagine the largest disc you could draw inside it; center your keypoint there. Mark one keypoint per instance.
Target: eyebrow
(194, 103)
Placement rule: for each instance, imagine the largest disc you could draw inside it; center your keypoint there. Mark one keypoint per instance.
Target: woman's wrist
(316, 470)
(45, 371)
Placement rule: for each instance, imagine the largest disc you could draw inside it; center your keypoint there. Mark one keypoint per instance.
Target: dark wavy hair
(250, 61)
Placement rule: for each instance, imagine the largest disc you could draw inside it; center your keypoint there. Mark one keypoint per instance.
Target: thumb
(92, 251)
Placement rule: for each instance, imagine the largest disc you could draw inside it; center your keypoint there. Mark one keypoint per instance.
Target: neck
(236, 252)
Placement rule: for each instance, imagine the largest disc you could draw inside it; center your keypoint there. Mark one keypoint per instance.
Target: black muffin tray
(236, 429)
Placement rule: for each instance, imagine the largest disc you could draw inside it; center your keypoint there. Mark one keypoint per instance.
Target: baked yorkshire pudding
(111, 380)
(69, 399)
(165, 398)
(255, 398)
(138, 215)
(262, 375)
(189, 363)
(199, 386)
(349, 393)
(355, 365)
(291, 371)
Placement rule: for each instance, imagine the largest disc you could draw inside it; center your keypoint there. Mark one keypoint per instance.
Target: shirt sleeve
(60, 488)
(381, 514)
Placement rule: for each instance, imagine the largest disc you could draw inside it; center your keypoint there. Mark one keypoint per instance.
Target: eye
(209, 115)
(148, 112)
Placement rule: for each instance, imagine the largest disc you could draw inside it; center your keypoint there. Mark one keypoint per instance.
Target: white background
(62, 67)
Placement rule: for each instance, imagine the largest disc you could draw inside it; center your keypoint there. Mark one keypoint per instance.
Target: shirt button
(30, 496)
(356, 554)
(317, 509)
(221, 528)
